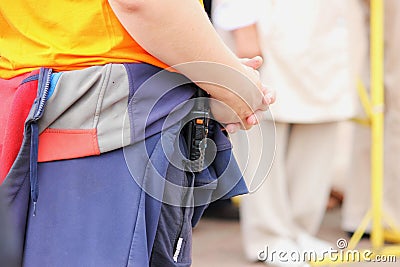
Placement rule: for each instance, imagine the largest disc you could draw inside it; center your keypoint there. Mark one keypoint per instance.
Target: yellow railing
(374, 108)
(377, 119)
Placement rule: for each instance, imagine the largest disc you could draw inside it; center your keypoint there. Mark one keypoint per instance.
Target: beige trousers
(357, 198)
(293, 198)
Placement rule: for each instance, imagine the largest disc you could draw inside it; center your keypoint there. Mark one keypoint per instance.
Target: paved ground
(217, 243)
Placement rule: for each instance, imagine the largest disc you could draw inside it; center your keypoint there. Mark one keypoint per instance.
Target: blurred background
(310, 160)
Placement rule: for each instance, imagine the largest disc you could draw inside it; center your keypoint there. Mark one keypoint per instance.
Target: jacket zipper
(43, 91)
(44, 94)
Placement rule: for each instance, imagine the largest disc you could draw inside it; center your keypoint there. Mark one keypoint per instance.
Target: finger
(254, 62)
(244, 124)
(257, 117)
(269, 95)
(252, 120)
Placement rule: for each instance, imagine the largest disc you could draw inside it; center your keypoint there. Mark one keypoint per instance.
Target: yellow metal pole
(365, 100)
(377, 119)
(376, 214)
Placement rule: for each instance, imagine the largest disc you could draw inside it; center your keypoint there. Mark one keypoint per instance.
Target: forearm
(177, 32)
(172, 35)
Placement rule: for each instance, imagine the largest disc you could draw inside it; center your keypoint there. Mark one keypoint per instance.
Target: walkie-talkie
(197, 131)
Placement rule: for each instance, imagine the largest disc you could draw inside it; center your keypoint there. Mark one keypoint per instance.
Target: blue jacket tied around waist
(133, 205)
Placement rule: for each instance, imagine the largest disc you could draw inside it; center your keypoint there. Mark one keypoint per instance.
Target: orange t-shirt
(63, 35)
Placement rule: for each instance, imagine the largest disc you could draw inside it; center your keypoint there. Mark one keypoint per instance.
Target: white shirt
(314, 52)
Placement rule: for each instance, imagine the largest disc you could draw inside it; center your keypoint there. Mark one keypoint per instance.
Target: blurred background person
(314, 52)
(357, 195)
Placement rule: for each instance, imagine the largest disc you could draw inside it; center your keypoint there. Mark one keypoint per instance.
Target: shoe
(364, 236)
(282, 253)
(313, 246)
(390, 236)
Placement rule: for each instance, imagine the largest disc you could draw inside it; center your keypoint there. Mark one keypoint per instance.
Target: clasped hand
(243, 109)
